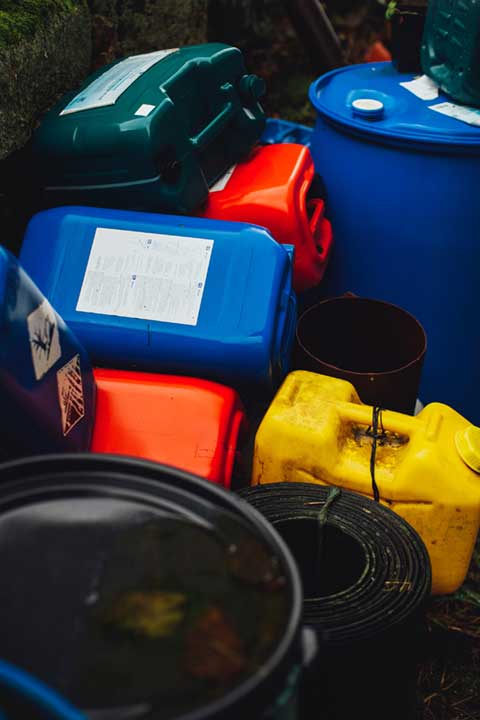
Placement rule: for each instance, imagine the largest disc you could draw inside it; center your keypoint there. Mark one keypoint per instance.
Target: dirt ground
(449, 678)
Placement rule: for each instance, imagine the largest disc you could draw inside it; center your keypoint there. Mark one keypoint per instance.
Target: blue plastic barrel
(47, 390)
(168, 293)
(403, 182)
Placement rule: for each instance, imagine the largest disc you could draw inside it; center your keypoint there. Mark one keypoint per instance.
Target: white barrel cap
(368, 107)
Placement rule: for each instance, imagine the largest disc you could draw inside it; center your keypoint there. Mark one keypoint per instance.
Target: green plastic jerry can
(149, 132)
(451, 48)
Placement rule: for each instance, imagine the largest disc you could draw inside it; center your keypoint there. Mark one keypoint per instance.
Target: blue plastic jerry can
(186, 295)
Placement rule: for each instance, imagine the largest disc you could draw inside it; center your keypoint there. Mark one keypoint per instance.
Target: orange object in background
(276, 187)
(188, 423)
(378, 53)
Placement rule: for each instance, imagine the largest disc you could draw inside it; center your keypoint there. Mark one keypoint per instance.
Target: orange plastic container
(276, 187)
(188, 423)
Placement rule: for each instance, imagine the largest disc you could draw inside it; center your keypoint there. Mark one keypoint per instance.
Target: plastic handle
(320, 228)
(325, 240)
(318, 211)
(209, 132)
(392, 421)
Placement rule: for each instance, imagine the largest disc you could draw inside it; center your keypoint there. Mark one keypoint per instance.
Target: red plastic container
(276, 187)
(188, 423)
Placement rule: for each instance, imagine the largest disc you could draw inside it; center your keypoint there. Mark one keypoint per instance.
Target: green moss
(21, 18)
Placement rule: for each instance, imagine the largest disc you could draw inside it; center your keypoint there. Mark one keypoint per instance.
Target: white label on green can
(144, 110)
(150, 276)
(108, 87)
(423, 87)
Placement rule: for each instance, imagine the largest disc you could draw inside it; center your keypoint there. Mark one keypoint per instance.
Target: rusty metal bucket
(376, 346)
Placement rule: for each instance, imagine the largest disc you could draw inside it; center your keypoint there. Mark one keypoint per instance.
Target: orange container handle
(323, 239)
(320, 228)
(317, 215)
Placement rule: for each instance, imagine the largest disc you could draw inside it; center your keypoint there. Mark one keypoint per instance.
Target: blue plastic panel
(284, 131)
(175, 294)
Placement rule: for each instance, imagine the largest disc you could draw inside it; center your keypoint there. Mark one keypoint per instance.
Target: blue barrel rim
(374, 132)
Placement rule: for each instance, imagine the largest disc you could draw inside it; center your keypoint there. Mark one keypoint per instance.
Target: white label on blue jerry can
(149, 276)
(108, 87)
(44, 338)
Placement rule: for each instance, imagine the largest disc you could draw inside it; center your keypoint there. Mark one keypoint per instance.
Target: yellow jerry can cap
(468, 446)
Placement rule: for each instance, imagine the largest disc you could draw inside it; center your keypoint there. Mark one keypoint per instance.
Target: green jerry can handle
(205, 136)
(251, 88)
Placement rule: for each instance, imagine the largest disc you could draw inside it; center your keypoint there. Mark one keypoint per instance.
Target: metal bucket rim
(350, 298)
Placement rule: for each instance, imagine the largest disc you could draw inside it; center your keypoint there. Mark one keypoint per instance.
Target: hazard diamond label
(70, 394)
(44, 338)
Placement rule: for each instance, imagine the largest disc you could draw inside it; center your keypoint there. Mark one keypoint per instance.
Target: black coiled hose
(366, 577)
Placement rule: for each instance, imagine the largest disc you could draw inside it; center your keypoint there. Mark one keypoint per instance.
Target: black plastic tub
(140, 591)
(377, 346)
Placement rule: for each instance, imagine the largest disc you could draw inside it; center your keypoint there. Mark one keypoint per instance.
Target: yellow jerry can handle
(392, 421)
(468, 446)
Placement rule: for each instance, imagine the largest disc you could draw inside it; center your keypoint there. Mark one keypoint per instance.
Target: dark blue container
(161, 292)
(402, 182)
(284, 131)
(47, 392)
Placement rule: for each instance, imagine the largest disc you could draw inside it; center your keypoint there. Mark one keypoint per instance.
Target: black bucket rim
(96, 462)
(350, 298)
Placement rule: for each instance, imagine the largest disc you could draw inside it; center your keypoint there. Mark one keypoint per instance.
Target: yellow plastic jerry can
(427, 467)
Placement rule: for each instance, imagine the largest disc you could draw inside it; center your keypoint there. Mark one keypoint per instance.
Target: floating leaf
(154, 614)
(252, 563)
(213, 648)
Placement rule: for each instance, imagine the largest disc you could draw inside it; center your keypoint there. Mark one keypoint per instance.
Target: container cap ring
(368, 107)
(468, 446)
